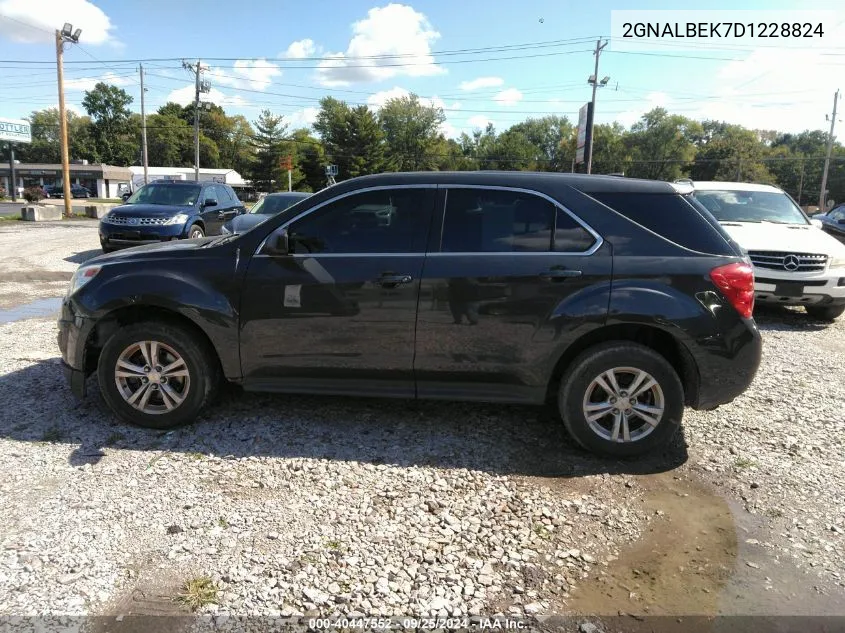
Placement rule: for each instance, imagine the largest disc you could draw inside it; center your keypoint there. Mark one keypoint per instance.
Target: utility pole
(201, 86)
(594, 80)
(12, 175)
(823, 193)
(60, 45)
(801, 183)
(144, 129)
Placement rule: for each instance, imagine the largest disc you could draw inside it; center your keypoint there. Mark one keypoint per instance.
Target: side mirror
(816, 223)
(210, 202)
(277, 243)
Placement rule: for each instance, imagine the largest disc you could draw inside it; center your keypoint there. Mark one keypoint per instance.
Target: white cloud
(302, 118)
(88, 83)
(649, 102)
(185, 95)
(300, 49)
(480, 121)
(254, 74)
(508, 97)
(482, 82)
(448, 130)
(45, 16)
(377, 100)
(395, 29)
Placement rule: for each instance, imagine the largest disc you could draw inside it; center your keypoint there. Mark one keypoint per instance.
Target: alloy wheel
(152, 377)
(623, 404)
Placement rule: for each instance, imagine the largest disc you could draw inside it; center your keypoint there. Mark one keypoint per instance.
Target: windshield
(170, 195)
(751, 206)
(271, 205)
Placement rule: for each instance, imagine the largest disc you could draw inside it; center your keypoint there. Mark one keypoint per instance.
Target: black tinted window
(671, 216)
(490, 220)
(389, 221)
(571, 237)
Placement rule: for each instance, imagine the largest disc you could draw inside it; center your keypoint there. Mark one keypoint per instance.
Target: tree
(730, 152)
(411, 132)
(309, 161)
(46, 147)
(352, 138)
(108, 106)
(267, 174)
(551, 137)
(610, 153)
(661, 144)
(169, 141)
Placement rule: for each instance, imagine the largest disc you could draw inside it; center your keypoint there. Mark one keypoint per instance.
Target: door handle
(391, 280)
(221, 216)
(559, 274)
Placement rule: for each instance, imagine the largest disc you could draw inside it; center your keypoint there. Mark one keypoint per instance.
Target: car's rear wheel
(157, 375)
(621, 399)
(195, 232)
(825, 313)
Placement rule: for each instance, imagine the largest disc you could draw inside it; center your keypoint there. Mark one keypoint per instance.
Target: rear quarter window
(672, 217)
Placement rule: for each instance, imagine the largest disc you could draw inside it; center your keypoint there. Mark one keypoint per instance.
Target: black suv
(57, 191)
(167, 210)
(620, 300)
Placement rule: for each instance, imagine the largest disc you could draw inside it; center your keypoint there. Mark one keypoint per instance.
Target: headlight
(82, 276)
(107, 219)
(179, 218)
(837, 262)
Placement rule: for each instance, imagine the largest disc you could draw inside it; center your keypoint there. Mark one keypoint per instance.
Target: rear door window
(502, 221)
(672, 217)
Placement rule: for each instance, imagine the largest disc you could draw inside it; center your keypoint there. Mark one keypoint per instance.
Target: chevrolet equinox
(621, 301)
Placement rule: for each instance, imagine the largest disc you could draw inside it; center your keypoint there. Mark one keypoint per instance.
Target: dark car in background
(833, 222)
(169, 210)
(270, 205)
(620, 300)
(56, 191)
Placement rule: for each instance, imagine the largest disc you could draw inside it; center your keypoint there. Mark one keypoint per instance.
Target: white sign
(15, 130)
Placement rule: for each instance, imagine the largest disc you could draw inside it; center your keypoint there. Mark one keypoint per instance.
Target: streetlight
(66, 35)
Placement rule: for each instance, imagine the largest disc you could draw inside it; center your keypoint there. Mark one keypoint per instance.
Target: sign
(584, 116)
(286, 163)
(15, 130)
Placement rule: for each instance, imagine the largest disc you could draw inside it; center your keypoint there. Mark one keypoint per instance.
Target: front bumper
(784, 288)
(74, 331)
(125, 236)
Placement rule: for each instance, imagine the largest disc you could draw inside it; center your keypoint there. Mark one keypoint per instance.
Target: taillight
(736, 282)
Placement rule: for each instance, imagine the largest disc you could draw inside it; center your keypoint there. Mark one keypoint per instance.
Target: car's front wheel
(157, 375)
(195, 232)
(825, 313)
(621, 399)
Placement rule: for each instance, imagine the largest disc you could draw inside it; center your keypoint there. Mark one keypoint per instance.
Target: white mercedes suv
(795, 262)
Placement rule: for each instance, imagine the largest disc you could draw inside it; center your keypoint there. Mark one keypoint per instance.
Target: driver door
(338, 313)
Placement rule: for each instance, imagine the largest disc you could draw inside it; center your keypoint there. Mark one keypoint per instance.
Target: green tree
(551, 137)
(610, 154)
(309, 161)
(45, 146)
(661, 145)
(412, 133)
(730, 152)
(108, 106)
(169, 141)
(269, 143)
(352, 138)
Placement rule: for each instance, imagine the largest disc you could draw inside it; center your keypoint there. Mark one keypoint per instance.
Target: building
(107, 181)
(102, 181)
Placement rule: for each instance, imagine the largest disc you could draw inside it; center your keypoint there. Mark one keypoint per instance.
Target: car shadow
(505, 440)
(786, 319)
(83, 256)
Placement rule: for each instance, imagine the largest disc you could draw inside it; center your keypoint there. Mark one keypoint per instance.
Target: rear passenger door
(510, 278)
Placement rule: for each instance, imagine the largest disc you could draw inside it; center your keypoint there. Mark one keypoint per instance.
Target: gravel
(305, 505)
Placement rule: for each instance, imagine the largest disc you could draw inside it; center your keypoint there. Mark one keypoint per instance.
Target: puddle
(38, 309)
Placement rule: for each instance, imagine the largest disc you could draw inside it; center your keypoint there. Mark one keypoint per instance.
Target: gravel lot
(295, 505)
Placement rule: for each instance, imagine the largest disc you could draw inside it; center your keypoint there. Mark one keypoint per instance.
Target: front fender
(200, 300)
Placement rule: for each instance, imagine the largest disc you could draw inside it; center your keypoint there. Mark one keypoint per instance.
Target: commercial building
(102, 181)
(107, 181)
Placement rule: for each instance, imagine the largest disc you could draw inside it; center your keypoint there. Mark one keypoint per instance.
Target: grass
(194, 455)
(222, 522)
(198, 592)
(541, 531)
(744, 462)
(52, 435)
(334, 545)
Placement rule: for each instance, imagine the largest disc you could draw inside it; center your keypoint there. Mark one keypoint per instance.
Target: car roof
(517, 179)
(293, 194)
(710, 185)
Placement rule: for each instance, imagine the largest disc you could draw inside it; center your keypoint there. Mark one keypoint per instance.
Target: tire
(108, 249)
(173, 341)
(579, 390)
(825, 313)
(195, 232)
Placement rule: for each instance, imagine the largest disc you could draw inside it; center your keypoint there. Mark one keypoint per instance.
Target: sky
(481, 61)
